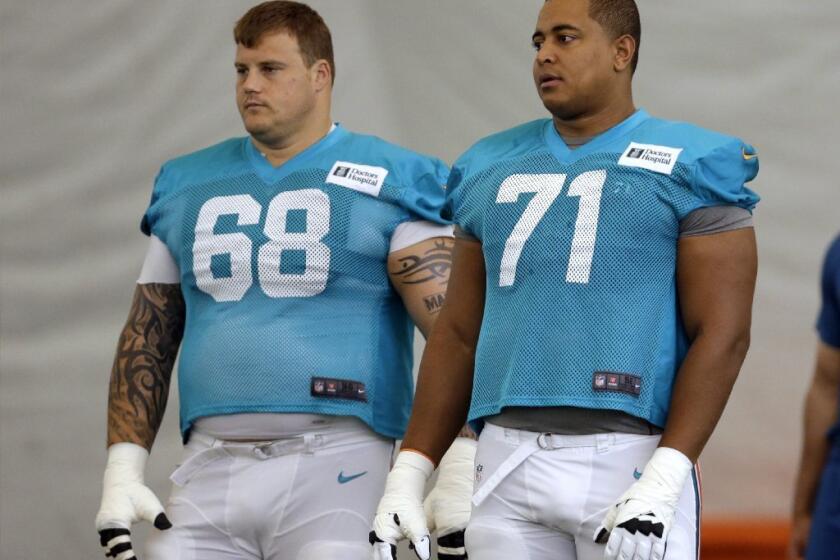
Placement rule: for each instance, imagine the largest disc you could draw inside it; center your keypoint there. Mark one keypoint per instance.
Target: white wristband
(665, 474)
(126, 463)
(460, 453)
(411, 461)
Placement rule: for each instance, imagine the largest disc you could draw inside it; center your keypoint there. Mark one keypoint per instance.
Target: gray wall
(94, 96)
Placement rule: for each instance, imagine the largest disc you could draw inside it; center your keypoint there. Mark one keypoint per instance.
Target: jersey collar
(270, 174)
(565, 155)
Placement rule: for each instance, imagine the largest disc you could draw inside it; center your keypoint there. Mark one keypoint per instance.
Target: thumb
(601, 535)
(149, 508)
(413, 527)
(422, 547)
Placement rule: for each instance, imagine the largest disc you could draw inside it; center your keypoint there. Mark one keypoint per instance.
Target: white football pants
(309, 497)
(549, 494)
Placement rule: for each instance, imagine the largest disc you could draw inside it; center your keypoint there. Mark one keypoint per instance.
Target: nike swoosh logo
(636, 474)
(747, 156)
(345, 479)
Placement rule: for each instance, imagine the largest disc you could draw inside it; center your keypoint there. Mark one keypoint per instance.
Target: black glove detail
(373, 539)
(162, 522)
(453, 540)
(112, 550)
(643, 526)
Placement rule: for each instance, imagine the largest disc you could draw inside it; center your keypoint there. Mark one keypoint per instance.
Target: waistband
(527, 443)
(572, 420)
(209, 449)
(254, 426)
(550, 441)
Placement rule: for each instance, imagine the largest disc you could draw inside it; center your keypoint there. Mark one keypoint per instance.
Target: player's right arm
(441, 404)
(143, 364)
(138, 392)
(820, 415)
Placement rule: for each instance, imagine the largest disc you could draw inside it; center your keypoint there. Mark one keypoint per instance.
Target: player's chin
(560, 105)
(256, 126)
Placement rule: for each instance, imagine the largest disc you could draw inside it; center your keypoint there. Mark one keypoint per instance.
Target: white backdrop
(94, 96)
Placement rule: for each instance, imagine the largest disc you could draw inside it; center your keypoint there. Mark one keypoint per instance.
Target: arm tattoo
(142, 367)
(434, 302)
(434, 264)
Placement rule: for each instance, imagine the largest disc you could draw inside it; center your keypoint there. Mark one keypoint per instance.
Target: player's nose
(252, 83)
(546, 55)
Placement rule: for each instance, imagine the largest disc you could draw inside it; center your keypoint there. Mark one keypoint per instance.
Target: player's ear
(623, 50)
(321, 73)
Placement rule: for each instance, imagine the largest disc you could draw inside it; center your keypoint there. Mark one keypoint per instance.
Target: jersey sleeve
(152, 214)
(721, 173)
(455, 209)
(424, 197)
(828, 322)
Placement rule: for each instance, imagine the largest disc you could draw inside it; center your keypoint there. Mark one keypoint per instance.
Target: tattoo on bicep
(143, 364)
(432, 265)
(434, 302)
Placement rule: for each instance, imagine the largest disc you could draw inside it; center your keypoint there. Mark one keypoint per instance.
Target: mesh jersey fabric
(283, 272)
(828, 322)
(580, 252)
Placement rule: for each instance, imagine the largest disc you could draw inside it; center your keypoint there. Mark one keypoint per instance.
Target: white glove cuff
(413, 464)
(460, 453)
(126, 463)
(666, 474)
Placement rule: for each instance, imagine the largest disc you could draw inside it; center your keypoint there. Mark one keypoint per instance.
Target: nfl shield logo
(318, 386)
(600, 380)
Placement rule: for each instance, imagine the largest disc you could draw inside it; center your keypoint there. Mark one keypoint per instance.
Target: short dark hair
(298, 20)
(619, 17)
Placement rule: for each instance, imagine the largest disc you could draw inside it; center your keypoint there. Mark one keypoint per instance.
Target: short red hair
(298, 20)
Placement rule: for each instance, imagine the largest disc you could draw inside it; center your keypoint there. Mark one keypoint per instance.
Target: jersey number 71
(547, 188)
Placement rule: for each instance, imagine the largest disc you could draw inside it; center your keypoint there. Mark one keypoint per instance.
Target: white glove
(400, 513)
(448, 505)
(126, 500)
(637, 526)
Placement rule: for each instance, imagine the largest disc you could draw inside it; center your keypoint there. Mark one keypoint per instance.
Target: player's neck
(592, 124)
(281, 150)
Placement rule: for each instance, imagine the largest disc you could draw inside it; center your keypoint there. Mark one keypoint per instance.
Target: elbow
(730, 344)
(459, 340)
(739, 344)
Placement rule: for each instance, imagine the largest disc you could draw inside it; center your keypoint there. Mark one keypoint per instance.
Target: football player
(597, 316)
(290, 267)
(816, 504)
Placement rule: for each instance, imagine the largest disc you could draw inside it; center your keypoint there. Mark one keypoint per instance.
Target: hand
(126, 500)
(448, 505)
(799, 536)
(400, 513)
(637, 526)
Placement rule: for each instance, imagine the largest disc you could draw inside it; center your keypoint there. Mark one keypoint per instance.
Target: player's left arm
(715, 280)
(420, 274)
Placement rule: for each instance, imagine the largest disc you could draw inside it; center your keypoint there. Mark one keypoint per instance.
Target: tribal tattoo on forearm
(143, 364)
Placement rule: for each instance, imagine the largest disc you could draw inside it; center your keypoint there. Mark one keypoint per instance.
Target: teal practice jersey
(580, 249)
(284, 273)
